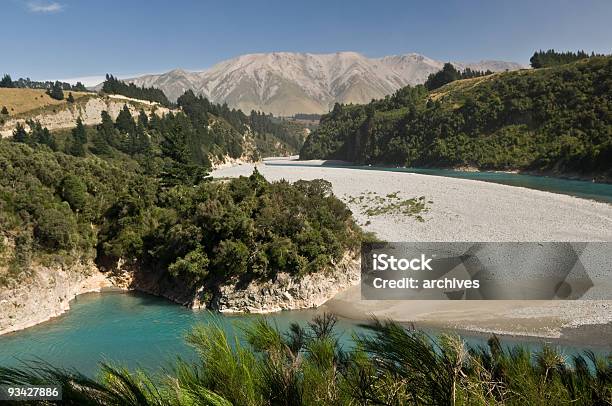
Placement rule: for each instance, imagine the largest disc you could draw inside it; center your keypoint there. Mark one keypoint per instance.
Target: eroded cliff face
(283, 292)
(47, 290)
(90, 110)
(46, 293)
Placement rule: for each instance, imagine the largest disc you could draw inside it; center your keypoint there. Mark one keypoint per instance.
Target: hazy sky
(59, 39)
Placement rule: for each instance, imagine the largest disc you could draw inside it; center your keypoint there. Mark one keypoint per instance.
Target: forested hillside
(556, 119)
(147, 200)
(113, 85)
(270, 137)
(136, 188)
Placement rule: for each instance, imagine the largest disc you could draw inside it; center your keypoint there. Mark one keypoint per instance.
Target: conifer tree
(107, 129)
(4, 111)
(142, 139)
(56, 92)
(20, 134)
(70, 98)
(6, 81)
(79, 138)
(446, 75)
(143, 119)
(125, 122)
(100, 144)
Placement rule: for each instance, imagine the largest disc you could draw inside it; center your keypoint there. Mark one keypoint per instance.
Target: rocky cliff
(89, 110)
(283, 292)
(45, 294)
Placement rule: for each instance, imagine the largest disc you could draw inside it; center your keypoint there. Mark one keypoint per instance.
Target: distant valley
(286, 83)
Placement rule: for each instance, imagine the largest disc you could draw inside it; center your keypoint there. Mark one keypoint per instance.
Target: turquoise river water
(579, 188)
(142, 331)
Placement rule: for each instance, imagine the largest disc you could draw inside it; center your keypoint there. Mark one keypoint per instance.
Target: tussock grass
(307, 365)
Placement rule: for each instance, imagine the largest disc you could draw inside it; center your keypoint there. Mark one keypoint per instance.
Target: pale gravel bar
(462, 210)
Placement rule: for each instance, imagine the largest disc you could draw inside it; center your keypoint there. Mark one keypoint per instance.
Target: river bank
(46, 294)
(48, 291)
(462, 210)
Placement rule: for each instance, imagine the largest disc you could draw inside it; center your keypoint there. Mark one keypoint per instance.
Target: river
(142, 331)
(579, 188)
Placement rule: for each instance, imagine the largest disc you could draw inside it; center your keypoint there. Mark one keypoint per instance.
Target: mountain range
(286, 83)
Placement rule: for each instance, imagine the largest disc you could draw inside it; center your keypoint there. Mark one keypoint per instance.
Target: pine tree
(56, 92)
(79, 138)
(106, 129)
(20, 134)
(52, 143)
(36, 135)
(4, 111)
(6, 81)
(125, 122)
(142, 139)
(446, 75)
(70, 98)
(100, 144)
(143, 119)
(154, 122)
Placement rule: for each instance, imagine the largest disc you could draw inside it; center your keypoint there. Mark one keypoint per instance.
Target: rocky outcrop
(45, 294)
(285, 292)
(89, 110)
(227, 161)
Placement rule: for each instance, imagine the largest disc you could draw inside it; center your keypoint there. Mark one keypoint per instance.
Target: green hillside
(137, 189)
(163, 213)
(556, 119)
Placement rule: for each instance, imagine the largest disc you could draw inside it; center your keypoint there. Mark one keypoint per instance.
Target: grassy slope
(22, 101)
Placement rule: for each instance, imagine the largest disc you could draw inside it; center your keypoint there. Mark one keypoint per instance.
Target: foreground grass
(389, 365)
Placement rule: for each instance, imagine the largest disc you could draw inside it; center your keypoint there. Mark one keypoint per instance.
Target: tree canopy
(56, 92)
(112, 85)
(449, 74)
(546, 59)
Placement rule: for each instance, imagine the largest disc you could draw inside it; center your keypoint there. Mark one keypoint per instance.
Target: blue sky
(60, 39)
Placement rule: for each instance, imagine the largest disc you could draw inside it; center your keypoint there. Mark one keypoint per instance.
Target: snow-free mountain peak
(286, 83)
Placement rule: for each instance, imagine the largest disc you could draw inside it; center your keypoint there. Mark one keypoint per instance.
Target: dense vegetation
(113, 85)
(546, 59)
(557, 119)
(269, 132)
(306, 116)
(449, 73)
(137, 189)
(288, 132)
(309, 366)
(22, 83)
